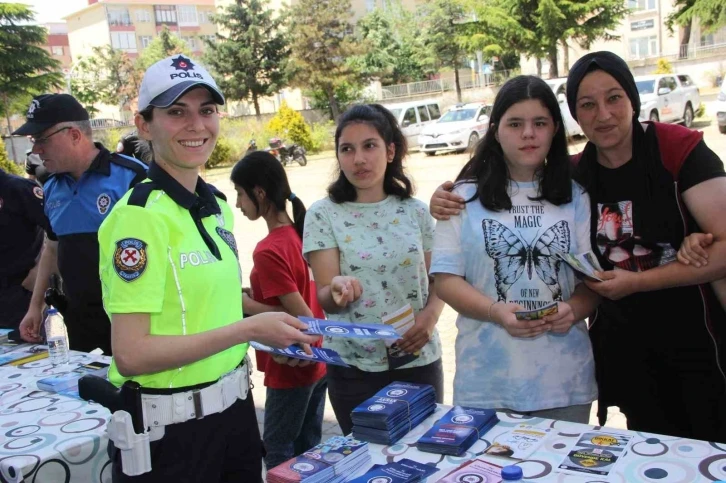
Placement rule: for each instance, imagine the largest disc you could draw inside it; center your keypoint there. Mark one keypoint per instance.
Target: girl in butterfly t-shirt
(501, 257)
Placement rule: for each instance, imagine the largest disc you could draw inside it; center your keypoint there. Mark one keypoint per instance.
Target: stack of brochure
(404, 471)
(457, 431)
(392, 412)
(333, 461)
(67, 382)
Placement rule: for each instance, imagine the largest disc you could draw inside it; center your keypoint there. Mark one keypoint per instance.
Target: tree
(161, 47)
(395, 52)
(109, 76)
(251, 56)
(321, 41)
(711, 15)
(25, 67)
(444, 20)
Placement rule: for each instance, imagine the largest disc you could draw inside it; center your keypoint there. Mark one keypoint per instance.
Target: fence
(443, 84)
(686, 52)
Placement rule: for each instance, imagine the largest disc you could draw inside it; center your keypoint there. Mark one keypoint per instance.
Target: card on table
(474, 471)
(595, 453)
(518, 443)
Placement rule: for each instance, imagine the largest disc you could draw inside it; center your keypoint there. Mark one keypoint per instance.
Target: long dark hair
(262, 169)
(395, 181)
(487, 166)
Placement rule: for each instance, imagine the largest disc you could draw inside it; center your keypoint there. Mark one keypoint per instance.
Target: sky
(53, 10)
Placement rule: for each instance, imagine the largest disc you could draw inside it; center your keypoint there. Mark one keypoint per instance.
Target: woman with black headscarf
(659, 333)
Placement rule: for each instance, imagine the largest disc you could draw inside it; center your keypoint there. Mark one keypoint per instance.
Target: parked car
(721, 109)
(668, 98)
(457, 130)
(414, 116)
(559, 87)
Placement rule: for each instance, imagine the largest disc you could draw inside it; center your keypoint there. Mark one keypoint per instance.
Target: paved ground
(309, 184)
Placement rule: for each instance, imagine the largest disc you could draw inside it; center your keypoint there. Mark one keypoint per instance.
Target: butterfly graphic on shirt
(512, 255)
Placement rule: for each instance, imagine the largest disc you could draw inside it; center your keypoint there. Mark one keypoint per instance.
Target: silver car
(457, 130)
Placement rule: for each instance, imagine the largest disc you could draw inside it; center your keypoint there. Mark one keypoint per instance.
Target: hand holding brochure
(585, 263)
(320, 354)
(335, 328)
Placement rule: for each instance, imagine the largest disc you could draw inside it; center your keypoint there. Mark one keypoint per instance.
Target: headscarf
(607, 62)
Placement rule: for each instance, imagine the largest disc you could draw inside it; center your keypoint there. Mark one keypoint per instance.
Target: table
(46, 437)
(652, 458)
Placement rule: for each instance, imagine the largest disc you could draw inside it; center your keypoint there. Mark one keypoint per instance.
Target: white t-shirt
(510, 256)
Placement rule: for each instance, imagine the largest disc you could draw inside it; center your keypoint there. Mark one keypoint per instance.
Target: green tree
(25, 67)
(711, 15)
(161, 47)
(444, 34)
(250, 57)
(109, 75)
(395, 52)
(321, 41)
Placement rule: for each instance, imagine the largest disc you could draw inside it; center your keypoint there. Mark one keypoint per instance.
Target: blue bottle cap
(52, 310)
(512, 473)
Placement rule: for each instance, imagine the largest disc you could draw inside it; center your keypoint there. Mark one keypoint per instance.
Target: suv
(414, 116)
(721, 109)
(457, 130)
(668, 98)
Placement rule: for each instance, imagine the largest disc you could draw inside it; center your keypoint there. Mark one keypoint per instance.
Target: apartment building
(130, 25)
(57, 44)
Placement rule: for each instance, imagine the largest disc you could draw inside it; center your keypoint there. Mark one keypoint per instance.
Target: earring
(545, 163)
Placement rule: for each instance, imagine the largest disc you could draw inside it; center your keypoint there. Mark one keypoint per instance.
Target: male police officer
(86, 180)
(22, 223)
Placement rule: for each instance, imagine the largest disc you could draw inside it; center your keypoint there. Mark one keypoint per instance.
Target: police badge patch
(103, 202)
(228, 238)
(129, 259)
(38, 192)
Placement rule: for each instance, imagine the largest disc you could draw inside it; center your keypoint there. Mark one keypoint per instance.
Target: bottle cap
(512, 473)
(52, 310)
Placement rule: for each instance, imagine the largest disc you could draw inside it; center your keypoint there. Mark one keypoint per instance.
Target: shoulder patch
(38, 192)
(129, 259)
(103, 202)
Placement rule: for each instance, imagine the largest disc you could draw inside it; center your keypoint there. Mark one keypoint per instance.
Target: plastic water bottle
(57, 337)
(512, 473)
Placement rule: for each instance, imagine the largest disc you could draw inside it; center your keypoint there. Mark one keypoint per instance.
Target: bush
(110, 137)
(664, 67)
(7, 164)
(291, 126)
(222, 154)
(323, 136)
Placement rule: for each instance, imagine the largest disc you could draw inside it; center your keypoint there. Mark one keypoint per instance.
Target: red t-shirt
(279, 269)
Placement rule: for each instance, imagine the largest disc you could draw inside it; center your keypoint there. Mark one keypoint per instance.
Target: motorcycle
(287, 154)
(251, 147)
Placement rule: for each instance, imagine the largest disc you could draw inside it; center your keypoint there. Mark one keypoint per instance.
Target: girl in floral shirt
(369, 246)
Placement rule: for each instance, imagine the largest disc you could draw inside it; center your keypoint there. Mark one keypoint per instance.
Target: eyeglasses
(43, 140)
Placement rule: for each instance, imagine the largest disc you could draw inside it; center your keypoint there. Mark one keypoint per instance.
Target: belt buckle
(198, 406)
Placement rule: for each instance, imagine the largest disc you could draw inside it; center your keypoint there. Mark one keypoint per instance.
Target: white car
(559, 87)
(721, 109)
(668, 98)
(457, 130)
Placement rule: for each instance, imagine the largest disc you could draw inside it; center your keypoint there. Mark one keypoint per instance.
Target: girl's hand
(345, 289)
(692, 249)
(420, 334)
(562, 320)
(503, 314)
(615, 284)
(276, 329)
(291, 361)
(444, 203)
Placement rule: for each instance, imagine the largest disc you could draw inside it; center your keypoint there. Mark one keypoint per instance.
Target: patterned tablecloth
(49, 438)
(652, 458)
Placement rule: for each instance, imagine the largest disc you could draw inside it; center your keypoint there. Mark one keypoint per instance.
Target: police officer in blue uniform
(22, 223)
(85, 182)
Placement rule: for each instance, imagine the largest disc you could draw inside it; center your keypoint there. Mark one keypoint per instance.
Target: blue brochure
(331, 461)
(457, 430)
(69, 380)
(320, 354)
(404, 471)
(335, 328)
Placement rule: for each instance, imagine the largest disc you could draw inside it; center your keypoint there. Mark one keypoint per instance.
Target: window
(165, 14)
(187, 15)
(118, 16)
(370, 5)
(423, 113)
(204, 16)
(210, 38)
(57, 50)
(123, 40)
(685, 80)
(707, 40)
(143, 16)
(410, 116)
(671, 83)
(641, 4)
(191, 42)
(642, 47)
(145, 40)
(434, 111)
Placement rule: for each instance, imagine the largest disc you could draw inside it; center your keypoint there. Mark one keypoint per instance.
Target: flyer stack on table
(332, 461)
(48, 437)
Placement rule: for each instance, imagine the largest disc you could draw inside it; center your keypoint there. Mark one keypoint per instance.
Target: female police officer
(171, 287)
